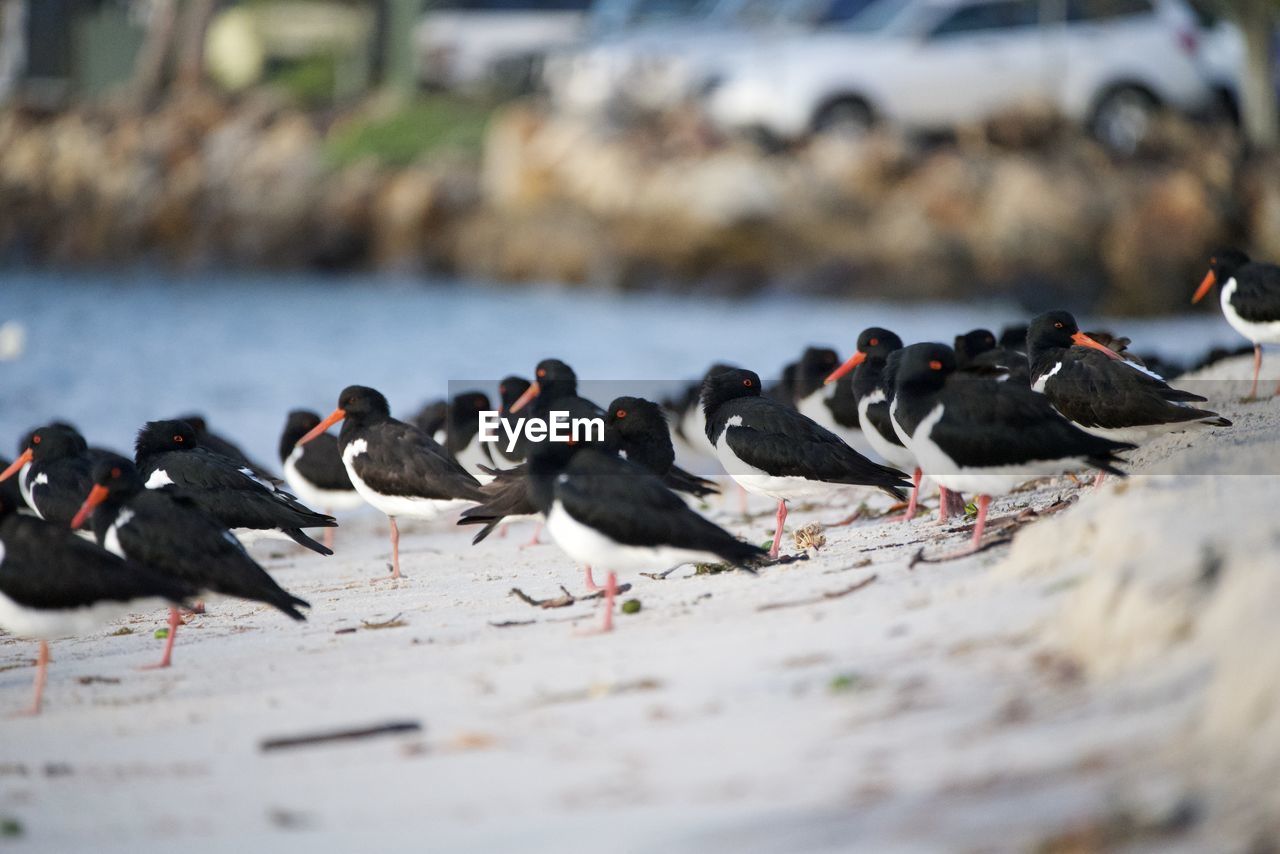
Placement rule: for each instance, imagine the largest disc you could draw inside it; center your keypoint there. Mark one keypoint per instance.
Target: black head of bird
(1058, 329)
(720, 388)
(158, 437)
(357, 403)
(45, 444)
(1223, 266)
(510, 389)
(923, 368)
(299, 423)
(552, 379)
(973, 344)
(874, 342)
(112, 481)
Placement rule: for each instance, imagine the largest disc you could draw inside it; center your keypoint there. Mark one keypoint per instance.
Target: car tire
(1123, 118)
(848, 117)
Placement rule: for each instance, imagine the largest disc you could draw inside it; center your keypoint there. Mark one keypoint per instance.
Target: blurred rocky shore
(1021, 206)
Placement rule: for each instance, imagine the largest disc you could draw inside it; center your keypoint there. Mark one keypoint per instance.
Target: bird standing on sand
(1250, 300)
(168, 453)
(315, 472)
(610, 513)
(394, 466)
(1101, 393)
(56, 585)
(979, 435)
(166, 532)
(772, 450)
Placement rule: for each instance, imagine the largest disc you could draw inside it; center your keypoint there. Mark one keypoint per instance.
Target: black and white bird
(315, 471)
(639, 432)
(395, 467)
(978, 435)
(168, 453)
(1250, 299)
(461, 437)
(612, 514)
(56, 585)
(977, 352)
(689, 422)
(871, 384)
(772, 450)
(831, 404)
(166, 532)
(1101, 393)
(54, 472)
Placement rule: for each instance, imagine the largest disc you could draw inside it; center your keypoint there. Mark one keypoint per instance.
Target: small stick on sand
(287, 742)
(561, 601)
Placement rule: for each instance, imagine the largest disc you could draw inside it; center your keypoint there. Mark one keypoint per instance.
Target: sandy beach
(1110, 681)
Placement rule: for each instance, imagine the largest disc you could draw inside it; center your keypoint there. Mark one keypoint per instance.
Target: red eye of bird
(1057, 325)
(115, 472)
(35, 440)
(935, 365)
(875, 342)
(542, 372)
(747, 383)
(177, 438)
(622, 413)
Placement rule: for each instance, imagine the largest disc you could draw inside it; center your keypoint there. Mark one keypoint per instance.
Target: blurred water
(109, 351)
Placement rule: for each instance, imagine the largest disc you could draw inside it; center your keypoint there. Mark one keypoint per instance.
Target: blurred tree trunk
(152, 62)
(195, 24)
(1258, 93)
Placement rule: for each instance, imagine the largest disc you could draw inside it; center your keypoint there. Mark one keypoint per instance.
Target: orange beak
(97, 495)
(334, 417)
(529, 394)
(852, 362)
(1085, 341)
(1205, 286)
(17, 464)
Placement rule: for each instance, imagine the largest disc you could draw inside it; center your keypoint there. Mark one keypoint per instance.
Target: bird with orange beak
(53, 471)
(1250, 300)
(1103, 394)
(395, 467)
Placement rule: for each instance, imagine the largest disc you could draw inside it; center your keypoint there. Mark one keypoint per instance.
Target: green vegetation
(425, 125)
(310, 81)
(10, 828)
(845, 682)
(631, 606)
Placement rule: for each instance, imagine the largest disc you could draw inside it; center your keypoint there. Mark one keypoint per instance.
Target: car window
(989, 17)
(879, 15)
(1102, 10)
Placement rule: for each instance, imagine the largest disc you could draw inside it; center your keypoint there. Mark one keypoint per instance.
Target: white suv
(933, 64)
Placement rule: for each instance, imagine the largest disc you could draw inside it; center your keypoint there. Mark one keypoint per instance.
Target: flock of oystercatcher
(978, 418)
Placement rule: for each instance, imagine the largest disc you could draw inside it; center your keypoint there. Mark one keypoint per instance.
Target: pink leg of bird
(395, 551)
(175, 620)
(534, 541)
(1257, 369)
(610, 591)
(915, 495)
(1097, 481)
(777, 533)
(590, 582)
(328, 536)
(984, 502)
(42, 675)
(944, 504)
(742, 502)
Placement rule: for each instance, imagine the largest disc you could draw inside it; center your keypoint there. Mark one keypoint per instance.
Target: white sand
(1086, 680)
